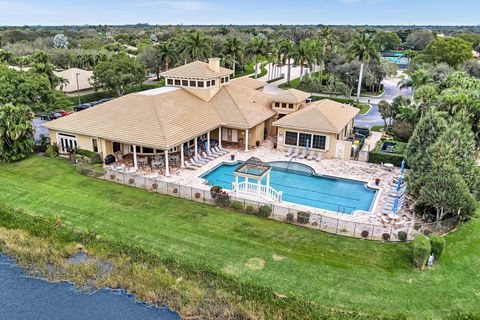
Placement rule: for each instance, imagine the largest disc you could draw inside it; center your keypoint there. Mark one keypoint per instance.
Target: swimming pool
(300, 185)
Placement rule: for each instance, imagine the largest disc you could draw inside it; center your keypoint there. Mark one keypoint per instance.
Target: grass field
(334, 271)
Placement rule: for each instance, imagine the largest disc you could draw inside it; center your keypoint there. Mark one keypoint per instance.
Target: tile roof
(196, 70)
(291, 96)
(70, 74)
(324, 116)
(162, 119)
(248, 82)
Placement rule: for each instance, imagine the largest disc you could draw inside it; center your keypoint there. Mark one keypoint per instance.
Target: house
(323, 126)
(72, 88)
(199, 107)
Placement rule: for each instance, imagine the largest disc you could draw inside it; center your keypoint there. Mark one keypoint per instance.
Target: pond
(25, 298)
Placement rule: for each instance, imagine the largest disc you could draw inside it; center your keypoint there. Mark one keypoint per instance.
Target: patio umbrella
(399, 183)
(395, 205)
(403, 167)
(308, 143)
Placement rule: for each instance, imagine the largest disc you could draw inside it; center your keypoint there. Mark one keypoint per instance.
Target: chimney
(214, 64)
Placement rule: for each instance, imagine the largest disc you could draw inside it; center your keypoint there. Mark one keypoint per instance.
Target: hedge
(420, 251)
(438, 245)
(377, 156)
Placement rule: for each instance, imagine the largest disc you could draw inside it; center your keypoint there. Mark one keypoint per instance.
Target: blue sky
(419, 12)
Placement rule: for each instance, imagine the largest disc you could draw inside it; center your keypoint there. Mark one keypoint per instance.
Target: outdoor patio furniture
(388, 166)
(211, 154)
(289, 152)
(295, 154)
(206, 156)
(157, 164)
(222, 152)
(303, 154)
(189, 166)
(198, 158)
(311, 155)
(318, 157)
(195, 163)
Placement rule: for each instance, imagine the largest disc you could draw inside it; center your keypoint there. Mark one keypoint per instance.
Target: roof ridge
(236, 104)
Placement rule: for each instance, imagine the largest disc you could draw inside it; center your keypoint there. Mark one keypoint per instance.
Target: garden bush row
(423, 247)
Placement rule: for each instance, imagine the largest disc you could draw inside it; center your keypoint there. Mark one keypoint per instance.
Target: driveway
(39, 130)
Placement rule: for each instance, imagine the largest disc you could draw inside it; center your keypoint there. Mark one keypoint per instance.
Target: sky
(359, 12)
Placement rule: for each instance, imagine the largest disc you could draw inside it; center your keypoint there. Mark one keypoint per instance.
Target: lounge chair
(223, 149)
(195, 163)
(200, 159)
(289, 152)
(212, 154)
(303, 154)
(318, 157)
(220, 151)
(189, 166)
(295, 154)
(311, 155)
(206, 156)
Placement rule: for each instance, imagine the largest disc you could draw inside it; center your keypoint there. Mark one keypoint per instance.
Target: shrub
(175, 190)
(131, 180)
(155, 186)
(438, 245)
(220, 197)
(52, 151)
(265, 211)
(303, 217)
(290, 217)
(237, 205)
(420, 251)
(386, 236)
(250, 209)
(112, 177)
(365, 233)
(197, 195)
(402, 235)
(426, 232)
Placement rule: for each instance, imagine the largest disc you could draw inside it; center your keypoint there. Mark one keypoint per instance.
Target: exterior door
(234, 135)
(225, 134)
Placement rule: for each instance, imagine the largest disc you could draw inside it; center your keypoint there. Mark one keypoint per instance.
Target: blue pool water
(24, 298)
(302, 187)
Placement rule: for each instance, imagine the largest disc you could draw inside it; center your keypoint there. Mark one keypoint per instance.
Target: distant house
(85, 84)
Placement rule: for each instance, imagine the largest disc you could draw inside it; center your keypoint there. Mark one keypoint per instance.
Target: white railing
(250, 190)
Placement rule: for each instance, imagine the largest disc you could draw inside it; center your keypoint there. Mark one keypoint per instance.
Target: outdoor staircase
(251, 191)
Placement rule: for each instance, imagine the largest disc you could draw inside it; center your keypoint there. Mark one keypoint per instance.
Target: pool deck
(347, 169)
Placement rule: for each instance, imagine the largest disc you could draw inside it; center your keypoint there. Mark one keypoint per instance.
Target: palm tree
(42, 64)
(286, 50)
(364, 48)
(16, 132)
(328, 41)
(6, 56)
(257, 47)
(235, 49)
(197, 46)
(302, 55)
(419, 78)
(167, 54)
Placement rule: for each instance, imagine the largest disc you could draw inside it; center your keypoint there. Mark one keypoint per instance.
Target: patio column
(268, 180)
(182, 156)
(236, 183)
(246, 140)
(167, 165)
(258, 188)
(196, 146)
(135, 163)
(208, 142)
(220, 137)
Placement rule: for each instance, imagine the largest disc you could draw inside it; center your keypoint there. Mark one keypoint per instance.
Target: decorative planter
(377, 181)
(257, 143)
(232, 157)
(274, 145)
(154, 186)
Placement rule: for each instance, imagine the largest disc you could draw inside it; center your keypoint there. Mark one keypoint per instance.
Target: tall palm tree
(286, 50)
(235, 49)
(302, 55)
(42, 64)
(257, 47)
(167, 53)
(197, 46)
(363, 48)
(329, 42)
(419, 78)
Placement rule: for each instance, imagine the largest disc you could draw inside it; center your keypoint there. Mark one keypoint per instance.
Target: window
(116, 147)
(319, 142)
(201, 84)
(174, 149)
(208, 83)
(277, 104)
(137, 148)
(291, 138)
(170, 81)
(67, 142)
(213, 83)
(284, 105)
(177, 82)
(290, 105)
(226, 79)
(222, 80)
(147, 150)
(303, 138)
(185, 83)
(94, 145)
(193, 83)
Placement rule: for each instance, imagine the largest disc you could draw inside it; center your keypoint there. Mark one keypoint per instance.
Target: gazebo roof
(253, 167)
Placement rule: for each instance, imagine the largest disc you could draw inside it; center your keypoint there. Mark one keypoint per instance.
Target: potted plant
(257, 143)
(232, 157)
(274, 145)
(377, 181)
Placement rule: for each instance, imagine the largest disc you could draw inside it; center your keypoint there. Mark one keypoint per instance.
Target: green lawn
(331, 270)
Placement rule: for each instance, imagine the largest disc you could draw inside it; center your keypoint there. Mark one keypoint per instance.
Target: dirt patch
(276, 257)
(255, 264)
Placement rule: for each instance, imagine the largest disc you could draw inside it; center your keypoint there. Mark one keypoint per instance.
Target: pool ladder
(341, 209)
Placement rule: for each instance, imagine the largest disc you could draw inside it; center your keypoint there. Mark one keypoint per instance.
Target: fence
(279, 212)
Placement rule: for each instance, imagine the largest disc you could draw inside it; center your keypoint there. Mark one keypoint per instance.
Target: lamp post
(78, 89)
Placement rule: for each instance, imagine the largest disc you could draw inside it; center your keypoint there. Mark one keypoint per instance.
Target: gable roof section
(324, 116)
(291, 96)
(248, 82)
(241, 107)
(71, 75)
(161, 120)
(196, 70)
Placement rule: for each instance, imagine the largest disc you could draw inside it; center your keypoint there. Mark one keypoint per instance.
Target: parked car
(81, 107)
